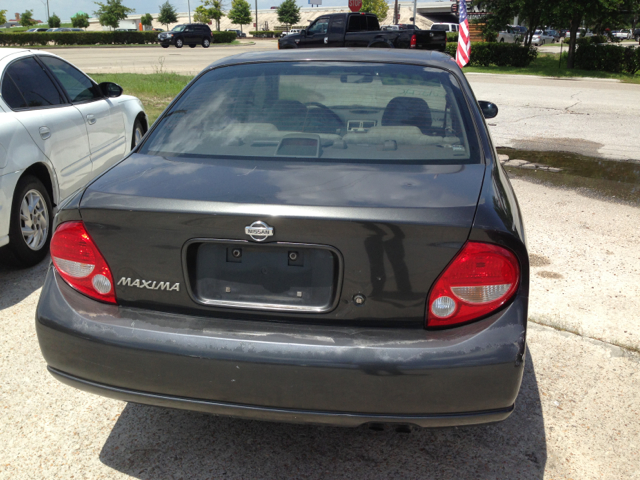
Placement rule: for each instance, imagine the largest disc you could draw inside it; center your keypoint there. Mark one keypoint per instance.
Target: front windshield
(178, 28)
(325, 110)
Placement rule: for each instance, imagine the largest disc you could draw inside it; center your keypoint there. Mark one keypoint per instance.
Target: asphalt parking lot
(576, 414)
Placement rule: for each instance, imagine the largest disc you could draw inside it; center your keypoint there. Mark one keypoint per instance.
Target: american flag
(464, 43)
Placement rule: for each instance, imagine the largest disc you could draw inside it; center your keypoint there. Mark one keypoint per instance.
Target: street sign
(355, 5)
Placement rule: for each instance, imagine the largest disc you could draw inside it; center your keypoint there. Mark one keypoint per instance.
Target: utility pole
(415, 8)
(257, 24)
(188, 6)
(395, 13)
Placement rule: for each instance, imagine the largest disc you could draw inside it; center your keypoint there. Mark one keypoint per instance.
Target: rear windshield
(440, 27)
(330, 111)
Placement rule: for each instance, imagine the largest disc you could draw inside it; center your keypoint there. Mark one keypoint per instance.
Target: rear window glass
(330, 111)
(440, 27)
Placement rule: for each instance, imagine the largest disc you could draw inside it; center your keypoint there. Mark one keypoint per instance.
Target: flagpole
(189, 6)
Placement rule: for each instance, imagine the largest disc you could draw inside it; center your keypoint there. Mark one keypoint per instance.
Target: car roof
(374, 55)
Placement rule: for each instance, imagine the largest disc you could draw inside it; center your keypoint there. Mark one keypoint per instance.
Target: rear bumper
(296, 373)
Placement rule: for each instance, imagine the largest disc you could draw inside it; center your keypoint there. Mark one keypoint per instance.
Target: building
(427, 14)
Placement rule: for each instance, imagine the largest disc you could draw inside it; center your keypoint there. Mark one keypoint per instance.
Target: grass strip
(155, 90)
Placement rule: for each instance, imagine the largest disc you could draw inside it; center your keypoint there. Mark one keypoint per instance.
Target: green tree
(54, 21)
(288, 12)
(80, 20)
(110, 13)
(378, 7)
(214, 8)
(240, 12)
(201, 15)
(3, 17)
(147, 20)
(575, 12)
(167, 14)
(26, 19)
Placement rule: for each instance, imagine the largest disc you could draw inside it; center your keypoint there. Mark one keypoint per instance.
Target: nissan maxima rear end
(317, 236)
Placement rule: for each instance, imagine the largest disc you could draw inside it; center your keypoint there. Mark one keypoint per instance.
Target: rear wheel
(179, 43)
(31, 216)
(206, 42)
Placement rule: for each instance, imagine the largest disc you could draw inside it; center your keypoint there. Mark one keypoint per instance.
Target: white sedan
(58, 130)
(541, 37)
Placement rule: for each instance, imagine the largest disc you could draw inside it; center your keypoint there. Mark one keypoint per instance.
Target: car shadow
(151, 443)
(17, 283)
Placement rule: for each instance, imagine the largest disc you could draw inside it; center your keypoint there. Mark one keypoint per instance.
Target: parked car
(622, 34)
(390, 27)
(34, 30)
(408, 26)
(239, 34)
(321, 236)
(291, 32)
(191, 34)
(553, 33)
(509, 35)
(636, 34)
(58, 130)
(445, 27)
(540, 37)
(360, 30)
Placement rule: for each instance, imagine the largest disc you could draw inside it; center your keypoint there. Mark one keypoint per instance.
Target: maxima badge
(259, 231)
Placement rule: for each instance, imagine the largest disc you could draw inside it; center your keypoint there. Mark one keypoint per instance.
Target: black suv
(191, 34)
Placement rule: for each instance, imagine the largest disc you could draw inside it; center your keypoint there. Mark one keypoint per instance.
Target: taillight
(80, 263)
(414, 41)
(480, 279)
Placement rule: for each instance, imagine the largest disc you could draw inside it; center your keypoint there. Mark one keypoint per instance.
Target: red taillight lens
(414, 41)
(480, 279)
(80, 263)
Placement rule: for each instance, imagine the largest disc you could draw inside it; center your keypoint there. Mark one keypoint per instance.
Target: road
(576, 417)
(592, 117)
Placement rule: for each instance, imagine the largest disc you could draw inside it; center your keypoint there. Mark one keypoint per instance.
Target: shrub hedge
(265, 34)
(607, 58)
(499, 54)
(94, 38)
(452, 37)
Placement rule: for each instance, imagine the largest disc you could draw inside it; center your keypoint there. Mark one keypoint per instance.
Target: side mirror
(489, 110)
(303, 33)
(110, 89)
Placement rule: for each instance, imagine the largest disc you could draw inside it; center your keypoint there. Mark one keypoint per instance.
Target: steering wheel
(328, 114)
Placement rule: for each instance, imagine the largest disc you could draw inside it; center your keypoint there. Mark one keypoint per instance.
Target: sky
(65, 9)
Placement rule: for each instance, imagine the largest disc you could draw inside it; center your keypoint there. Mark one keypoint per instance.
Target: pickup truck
(360, 30)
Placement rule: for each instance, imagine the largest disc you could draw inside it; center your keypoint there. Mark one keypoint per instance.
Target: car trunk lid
(370, 238)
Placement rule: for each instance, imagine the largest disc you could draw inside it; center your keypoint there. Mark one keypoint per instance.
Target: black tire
(138, 128)
(164, 46)
(179, 43)
(19, 252)
(206, 42)
(192, 46)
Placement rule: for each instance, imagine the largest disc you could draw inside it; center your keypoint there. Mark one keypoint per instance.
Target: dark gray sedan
(305, 236)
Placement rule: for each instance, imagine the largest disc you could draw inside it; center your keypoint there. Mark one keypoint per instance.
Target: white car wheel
(30, 228)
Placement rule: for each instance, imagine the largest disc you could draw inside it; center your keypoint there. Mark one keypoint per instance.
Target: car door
(316, 34)
(56, 126)
(189, 35)
(335, 35)
(104, 120)
(356, 26)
